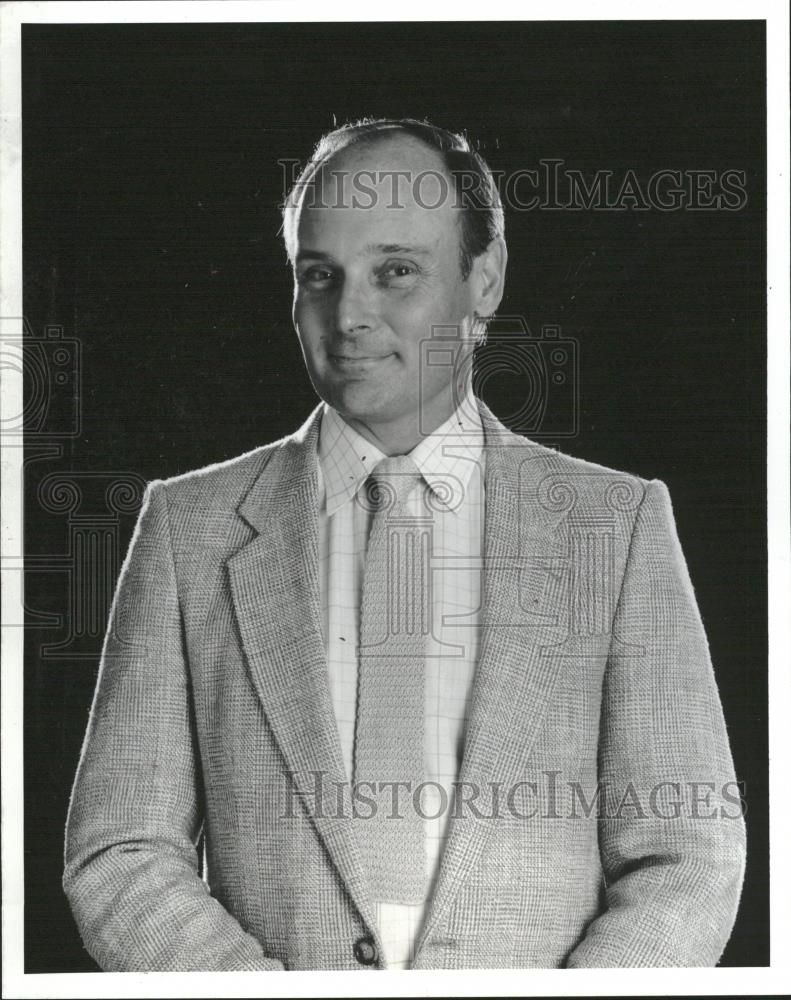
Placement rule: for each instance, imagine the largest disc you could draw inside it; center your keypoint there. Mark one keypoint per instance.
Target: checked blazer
(604, 831)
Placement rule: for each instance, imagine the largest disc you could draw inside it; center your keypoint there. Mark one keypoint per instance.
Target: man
(403, 597)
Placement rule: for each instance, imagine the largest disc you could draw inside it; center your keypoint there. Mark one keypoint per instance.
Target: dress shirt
(450, 461)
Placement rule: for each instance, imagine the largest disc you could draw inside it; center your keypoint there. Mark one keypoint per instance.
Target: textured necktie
(389, 742)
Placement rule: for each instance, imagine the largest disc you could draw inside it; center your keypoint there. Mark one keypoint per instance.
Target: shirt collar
(445, 458)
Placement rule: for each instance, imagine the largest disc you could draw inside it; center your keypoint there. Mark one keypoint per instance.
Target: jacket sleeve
(672, 836)
(135, 816)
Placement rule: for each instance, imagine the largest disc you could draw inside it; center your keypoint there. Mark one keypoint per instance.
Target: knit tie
(389, 743)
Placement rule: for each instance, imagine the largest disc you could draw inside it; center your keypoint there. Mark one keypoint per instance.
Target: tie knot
(392, 481)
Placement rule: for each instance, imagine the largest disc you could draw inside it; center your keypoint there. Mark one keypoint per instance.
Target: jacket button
(365, 951)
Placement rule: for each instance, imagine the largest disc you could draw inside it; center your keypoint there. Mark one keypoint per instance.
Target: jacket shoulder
(581, 466)
(557, 462)
(219, 480)
(214, 492)
(563, 483)
(543, 460)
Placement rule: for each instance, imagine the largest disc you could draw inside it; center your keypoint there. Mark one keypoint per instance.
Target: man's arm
(131, 873)
(672, 885)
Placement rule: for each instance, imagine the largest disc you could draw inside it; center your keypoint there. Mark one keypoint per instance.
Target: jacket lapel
(516, 672)
(275, 590)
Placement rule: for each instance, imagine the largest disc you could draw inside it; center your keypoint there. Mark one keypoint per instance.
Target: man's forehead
(387, 152)
(379, 229)
(382, 194)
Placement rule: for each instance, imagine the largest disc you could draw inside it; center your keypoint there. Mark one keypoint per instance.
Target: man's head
(394, 229)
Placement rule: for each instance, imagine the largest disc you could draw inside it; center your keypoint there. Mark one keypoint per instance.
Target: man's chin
(358, 400)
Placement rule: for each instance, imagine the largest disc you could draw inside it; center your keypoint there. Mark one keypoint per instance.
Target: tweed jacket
(608, 831)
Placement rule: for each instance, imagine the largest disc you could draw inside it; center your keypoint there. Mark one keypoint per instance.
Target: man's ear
(488, 277)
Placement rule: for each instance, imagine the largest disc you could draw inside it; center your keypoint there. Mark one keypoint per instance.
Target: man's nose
(356, 306)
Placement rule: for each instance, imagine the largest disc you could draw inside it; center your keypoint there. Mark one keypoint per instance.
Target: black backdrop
(151, 187)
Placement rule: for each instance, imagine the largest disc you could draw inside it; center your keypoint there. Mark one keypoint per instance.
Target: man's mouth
(351, 361)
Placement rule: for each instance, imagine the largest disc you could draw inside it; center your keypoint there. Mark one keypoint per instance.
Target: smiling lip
(347, 360)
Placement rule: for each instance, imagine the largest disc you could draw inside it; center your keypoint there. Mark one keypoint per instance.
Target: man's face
(372, 282)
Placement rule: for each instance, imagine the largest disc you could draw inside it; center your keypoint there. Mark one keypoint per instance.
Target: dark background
(151, 188)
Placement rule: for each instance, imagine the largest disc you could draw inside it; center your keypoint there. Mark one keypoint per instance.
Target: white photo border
(596, 982)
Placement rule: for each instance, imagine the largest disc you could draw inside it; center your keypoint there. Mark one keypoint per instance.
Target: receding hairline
(360, 147)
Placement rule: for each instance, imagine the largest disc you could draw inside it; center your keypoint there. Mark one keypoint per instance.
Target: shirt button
(365, 951)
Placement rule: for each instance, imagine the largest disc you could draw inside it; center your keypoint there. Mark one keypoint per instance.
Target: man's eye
(398, 272)
(315, 276)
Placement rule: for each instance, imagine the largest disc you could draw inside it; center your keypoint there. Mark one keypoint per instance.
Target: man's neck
(399, 437)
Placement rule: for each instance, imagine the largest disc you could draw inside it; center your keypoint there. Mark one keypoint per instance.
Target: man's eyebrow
(396, 248)
(312, 255)
(369, 248)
